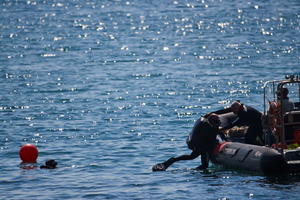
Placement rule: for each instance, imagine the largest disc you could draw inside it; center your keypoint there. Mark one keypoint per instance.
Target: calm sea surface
(109, 88)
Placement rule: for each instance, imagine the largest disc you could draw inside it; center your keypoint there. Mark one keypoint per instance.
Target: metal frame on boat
(289, 122)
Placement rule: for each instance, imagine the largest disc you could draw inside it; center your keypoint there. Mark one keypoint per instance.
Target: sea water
(109, 88)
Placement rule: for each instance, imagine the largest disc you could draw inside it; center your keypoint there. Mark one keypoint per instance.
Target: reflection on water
(286, 180)
(108, 88)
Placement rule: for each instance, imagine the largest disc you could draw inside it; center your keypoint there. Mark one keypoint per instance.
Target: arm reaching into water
(163, 166)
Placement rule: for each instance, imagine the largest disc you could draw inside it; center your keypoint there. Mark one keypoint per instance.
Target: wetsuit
(203, 137)
(202, 141)
(250, 117)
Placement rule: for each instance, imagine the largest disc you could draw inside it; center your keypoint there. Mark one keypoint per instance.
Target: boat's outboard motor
(251, 157)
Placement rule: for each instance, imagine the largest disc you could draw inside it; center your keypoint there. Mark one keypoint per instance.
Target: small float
(281, 151)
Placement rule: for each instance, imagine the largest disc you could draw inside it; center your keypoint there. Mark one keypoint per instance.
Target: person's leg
(250, 138)
(204, 161)
(253, 138)
(252, 133)
(163, 166)
(261, 135)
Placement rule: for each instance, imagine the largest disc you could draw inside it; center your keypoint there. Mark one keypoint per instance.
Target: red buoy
(28, 153)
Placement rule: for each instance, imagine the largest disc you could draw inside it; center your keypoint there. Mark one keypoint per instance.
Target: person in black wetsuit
(202, 141)
(49, 164)
(246, 116)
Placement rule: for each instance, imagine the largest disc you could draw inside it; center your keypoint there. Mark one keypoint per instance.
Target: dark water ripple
(108, 88)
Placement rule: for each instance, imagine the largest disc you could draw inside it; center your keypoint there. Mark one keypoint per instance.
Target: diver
(246, 116)
(202, 141)
(49, 164)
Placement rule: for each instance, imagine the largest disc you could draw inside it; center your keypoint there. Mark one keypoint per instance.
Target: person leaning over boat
(246, 116)
(202, 141)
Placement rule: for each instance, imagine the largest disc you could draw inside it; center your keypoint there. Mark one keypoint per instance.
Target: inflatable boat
(281, 151)
(250, 157)
(262, 159)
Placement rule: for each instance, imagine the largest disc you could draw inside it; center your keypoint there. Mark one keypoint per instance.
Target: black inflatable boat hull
(250, 157)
